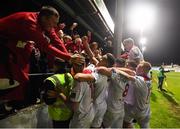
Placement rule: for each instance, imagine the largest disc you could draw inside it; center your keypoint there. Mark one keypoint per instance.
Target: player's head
(128, 44)
(143, 68)
(107, 60)
(78, 67)
(131, 64)
(120, 62)
(48, 17)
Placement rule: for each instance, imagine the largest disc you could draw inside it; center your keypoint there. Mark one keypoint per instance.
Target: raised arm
(88, 50)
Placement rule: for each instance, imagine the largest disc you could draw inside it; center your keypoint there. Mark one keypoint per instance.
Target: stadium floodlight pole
(143, 42)
(118, 29)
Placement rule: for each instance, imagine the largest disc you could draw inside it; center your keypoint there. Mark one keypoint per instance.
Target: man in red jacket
(33, 26)
(28, 26)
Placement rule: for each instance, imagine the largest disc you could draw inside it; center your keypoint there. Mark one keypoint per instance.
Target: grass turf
(165, 106)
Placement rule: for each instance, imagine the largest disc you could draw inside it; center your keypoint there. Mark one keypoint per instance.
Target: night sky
(163, 43)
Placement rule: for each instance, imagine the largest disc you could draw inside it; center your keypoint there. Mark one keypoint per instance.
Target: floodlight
(143, 41)
(141, 17)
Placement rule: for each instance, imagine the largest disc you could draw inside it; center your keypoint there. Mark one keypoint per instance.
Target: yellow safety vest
(59, 110)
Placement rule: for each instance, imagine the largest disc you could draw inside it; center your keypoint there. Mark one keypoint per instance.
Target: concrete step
(35, 116)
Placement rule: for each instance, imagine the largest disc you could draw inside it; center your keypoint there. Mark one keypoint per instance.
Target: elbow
(76, 77)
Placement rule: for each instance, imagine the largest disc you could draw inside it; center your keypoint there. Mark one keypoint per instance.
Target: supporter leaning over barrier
(33, 26)
(18, 28)
(56, 94)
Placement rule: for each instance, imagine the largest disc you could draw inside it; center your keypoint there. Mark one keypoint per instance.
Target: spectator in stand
(67, 39)
(97, 54)
(132, 51)
(95, 50)
(60, 33)
(76, 46)
(59, 30)
(108, 48)
(67, 42)
(73, 33)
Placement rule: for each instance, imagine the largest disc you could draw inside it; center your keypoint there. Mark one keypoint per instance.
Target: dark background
(163, 39)
(163, 43)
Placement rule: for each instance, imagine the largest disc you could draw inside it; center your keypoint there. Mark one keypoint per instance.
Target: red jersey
(24, 26)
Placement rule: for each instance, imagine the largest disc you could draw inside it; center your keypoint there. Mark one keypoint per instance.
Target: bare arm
(126, 70)
(104, 71)
(83, 77)
(88, 50)
(128, 76)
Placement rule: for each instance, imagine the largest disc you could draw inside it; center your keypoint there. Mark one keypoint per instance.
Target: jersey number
(126, 90)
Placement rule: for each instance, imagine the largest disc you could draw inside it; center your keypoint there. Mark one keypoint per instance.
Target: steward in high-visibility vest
(57, 91)
(161, 77)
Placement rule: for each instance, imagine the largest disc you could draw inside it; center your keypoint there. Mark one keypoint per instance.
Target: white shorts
(113, 120)
(82, 120)
(100, 110)
(142, 117)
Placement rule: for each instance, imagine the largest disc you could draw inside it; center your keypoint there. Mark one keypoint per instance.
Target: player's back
(142, 93)
(100, 86)
(115, 93)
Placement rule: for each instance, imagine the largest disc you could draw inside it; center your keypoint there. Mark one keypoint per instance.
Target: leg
(97, 122)
(160, 82)
(144, 118)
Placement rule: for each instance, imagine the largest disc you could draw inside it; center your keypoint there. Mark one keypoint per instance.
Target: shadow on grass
(153, 97)
(170, 92)
(170, 97)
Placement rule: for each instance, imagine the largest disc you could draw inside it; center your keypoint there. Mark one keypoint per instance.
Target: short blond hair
(146, 66)
(128, 41)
